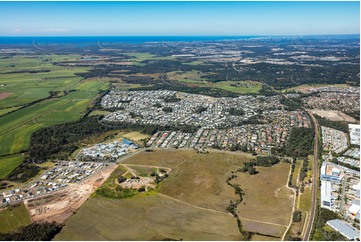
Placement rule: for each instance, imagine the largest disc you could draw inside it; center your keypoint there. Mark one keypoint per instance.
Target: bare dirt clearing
(59, 206)
(333, 115)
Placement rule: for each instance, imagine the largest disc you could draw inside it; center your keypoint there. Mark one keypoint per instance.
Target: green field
(193, 78)
(7, 110)
(99, 112)
(242, 87)
(26, 87)
(12, 218)
(17, 127)
(9, 163)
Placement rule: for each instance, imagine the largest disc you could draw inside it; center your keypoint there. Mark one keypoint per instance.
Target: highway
(314, 180)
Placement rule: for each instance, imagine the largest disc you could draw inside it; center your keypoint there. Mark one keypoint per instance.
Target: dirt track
(59, 206)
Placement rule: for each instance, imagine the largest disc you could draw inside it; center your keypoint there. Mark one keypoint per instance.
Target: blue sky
(178, 18)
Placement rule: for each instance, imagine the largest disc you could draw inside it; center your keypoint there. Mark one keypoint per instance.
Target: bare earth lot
(59, 206)
(334, 115)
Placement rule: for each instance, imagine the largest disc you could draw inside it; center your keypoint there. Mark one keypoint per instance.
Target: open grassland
(9, 163)
(190, 204)
(263, 238)
(242, 87)
(7, 110)
(305, 200)
(152, 217)
(310, 165)
(12, 218)
(135, 136)
(296, 172)
(198, 179)
(266, 198)
(193, 78)
(137, 57)
(99, 112)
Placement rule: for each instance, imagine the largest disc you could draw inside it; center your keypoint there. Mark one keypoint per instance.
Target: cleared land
(306, 87)
(147, 218)
(59, 206)
(266, 199)
(13, 217)
(190, 204)
(334, 115)
(198, 179)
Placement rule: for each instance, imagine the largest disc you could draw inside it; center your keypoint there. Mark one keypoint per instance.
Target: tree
(297, 215)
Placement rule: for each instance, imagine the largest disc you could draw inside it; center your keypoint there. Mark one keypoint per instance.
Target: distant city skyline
(178, 18)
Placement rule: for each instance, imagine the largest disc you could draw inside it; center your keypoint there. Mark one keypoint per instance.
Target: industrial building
(326, 194)
(345, 229)
(354, 130)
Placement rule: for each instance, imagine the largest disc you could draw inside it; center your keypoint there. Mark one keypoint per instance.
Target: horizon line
(242, 35)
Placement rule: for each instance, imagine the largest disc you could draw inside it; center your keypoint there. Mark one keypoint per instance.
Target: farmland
(39, 94)
(194, 79)
(190, 204)
(9, 163)
(13, 217)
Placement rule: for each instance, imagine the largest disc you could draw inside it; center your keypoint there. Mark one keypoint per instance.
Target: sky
(178, 18)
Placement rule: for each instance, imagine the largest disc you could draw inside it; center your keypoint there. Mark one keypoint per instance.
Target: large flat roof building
(326, 194)
(354, 130)
(345, 229)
